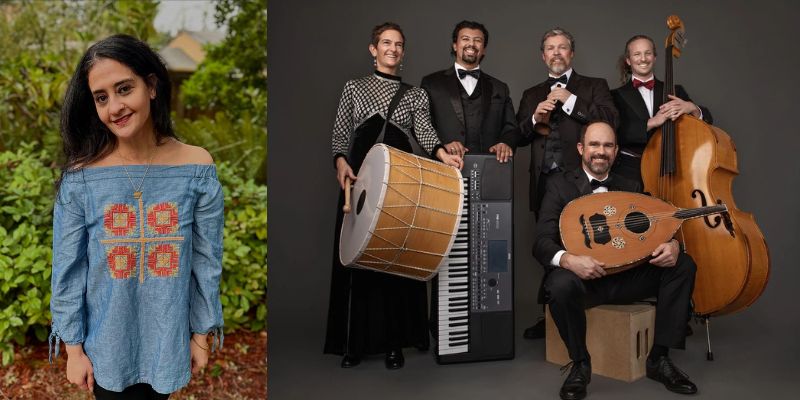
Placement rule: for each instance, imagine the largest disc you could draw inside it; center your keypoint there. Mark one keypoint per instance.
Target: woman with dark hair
(371, 312)
(137, 232)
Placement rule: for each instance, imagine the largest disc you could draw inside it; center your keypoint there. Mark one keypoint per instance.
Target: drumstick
(346, 207)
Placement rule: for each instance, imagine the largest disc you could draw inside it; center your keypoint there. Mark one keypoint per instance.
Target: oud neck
(690, 213)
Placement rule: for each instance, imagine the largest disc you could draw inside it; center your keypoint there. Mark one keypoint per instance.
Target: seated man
(573, 283)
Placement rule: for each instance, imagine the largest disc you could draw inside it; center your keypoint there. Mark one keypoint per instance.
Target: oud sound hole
(637, 222)
(361, 199)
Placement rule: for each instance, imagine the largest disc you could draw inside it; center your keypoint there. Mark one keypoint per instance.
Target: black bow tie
(561, 79)
(596, 184)
(475, 73)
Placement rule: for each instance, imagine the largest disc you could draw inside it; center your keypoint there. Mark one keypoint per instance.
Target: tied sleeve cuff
(217, 337)
(54, 344)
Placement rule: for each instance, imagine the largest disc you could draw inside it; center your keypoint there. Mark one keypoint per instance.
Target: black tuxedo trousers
(569, 296)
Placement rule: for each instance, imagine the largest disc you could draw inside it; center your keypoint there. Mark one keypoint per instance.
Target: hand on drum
(450, 159)
(666, 254)
(343, 170)
(585, 267)
(503, 151)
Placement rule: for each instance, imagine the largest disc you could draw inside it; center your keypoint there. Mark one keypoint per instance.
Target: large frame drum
(405, 214)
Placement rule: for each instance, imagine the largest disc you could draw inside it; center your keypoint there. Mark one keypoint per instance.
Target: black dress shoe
(536, 331)
(350, 361)
(394, 359)
(675, 380)
(574, 387)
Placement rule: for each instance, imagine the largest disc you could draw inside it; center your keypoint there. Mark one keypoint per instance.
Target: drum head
(368, 193)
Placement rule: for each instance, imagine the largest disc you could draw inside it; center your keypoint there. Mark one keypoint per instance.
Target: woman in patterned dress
(369, 312)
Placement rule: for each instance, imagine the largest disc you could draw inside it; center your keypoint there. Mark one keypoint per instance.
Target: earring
(401, 66)
(375, 62)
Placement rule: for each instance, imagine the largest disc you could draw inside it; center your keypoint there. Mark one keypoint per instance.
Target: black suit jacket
(561, 189)
(447, 112)
(593, 102)
(633, 115)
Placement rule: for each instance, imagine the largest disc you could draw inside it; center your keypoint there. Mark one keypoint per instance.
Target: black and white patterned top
(363, 97)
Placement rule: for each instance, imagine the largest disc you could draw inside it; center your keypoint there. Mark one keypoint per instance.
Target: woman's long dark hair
(86, 139)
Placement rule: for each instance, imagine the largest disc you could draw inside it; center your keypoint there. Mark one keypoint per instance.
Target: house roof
(186, 50)
(176, 60)
(205, 37)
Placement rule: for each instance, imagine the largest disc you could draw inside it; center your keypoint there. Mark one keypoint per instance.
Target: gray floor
(748, 364)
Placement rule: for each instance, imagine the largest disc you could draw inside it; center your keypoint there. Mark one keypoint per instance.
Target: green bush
(26, 240)
(240, 142)
(26, 235)
(244, 263)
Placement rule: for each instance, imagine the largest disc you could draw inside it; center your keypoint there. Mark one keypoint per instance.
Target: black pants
(139, 391)
(569, 296)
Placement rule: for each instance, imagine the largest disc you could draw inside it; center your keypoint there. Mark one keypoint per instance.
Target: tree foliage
(231, 85)
(233, 76)
(40, 44)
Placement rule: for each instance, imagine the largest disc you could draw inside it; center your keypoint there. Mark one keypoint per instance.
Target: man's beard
(558, 69)
(599, 169)
(469, 58)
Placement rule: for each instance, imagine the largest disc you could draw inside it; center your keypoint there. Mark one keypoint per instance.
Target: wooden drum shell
(411, 217)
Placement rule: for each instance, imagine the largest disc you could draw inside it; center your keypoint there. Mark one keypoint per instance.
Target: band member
(641, 105)
(471, 109)
(370, 312)
(573, 283)
(551, 116)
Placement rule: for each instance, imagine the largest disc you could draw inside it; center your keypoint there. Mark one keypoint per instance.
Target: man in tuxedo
(471, 110)
(551, 116)
(641, 105)
(573, 283)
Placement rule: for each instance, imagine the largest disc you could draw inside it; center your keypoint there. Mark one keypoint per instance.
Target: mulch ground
(238, 371)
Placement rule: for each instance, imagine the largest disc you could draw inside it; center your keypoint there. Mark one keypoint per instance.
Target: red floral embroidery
(119, 220)
(121, 262)
(162, 218)
(162, 260)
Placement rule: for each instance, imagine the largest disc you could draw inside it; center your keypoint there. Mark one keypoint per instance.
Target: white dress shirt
(468, 82)
(568, 105)
(647, 94)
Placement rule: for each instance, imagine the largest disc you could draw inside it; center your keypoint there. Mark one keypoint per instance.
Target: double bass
(689, 164)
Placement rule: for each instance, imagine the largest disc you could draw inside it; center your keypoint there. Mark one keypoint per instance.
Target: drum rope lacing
(416, 180)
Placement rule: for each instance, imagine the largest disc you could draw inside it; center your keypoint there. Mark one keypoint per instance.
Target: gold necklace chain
(137, 191)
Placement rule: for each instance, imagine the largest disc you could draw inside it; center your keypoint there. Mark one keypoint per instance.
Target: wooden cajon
(618, 337)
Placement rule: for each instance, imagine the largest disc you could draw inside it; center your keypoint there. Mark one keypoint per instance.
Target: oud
(622, 229)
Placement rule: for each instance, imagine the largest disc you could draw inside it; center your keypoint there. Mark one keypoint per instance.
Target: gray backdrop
(741, 62)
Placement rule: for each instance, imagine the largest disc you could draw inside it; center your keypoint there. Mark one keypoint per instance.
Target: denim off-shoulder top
(133, 278)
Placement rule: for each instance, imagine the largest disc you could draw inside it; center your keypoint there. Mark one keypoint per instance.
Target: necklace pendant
(137, 195)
